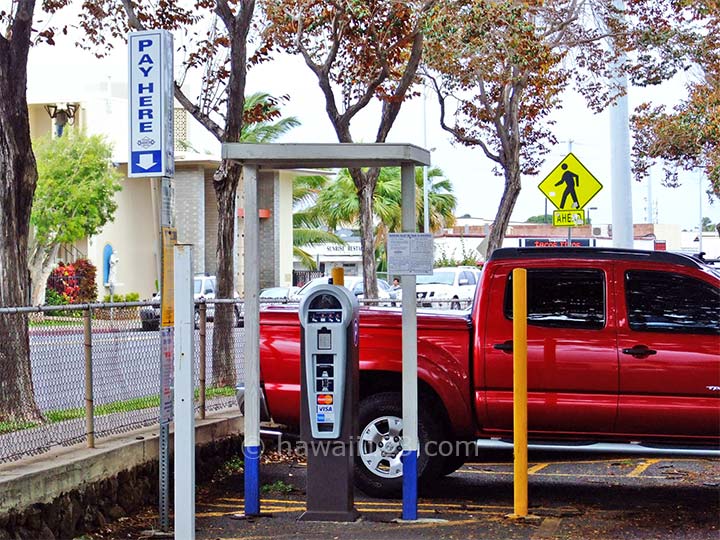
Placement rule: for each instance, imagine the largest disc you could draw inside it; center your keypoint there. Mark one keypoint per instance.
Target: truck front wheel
(378, 469)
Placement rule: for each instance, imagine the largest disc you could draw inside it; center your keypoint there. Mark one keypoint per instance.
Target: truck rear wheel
(378, 470)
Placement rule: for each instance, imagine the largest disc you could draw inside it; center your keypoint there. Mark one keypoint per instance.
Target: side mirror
(463, 281)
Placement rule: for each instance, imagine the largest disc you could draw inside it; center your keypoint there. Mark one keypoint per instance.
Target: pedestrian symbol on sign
(571, 180)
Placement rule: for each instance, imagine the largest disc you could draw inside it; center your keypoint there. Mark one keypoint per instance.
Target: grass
(127, 405)
(234, 465)
(8, 427)
(50, 323)
(277, 487)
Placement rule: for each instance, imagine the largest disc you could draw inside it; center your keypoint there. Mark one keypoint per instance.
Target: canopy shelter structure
(255, 157)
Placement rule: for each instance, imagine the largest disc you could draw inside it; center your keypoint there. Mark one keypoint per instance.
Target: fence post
(89, 405)
(201, 367)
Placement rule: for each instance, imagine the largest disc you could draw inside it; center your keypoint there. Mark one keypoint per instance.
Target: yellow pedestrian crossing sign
(570, 185)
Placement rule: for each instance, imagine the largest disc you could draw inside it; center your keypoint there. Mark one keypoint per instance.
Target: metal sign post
(152, 154)
(184, 407)
(252, 343)
(409, 254)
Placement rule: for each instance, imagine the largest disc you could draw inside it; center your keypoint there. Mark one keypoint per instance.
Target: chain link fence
(93, 371)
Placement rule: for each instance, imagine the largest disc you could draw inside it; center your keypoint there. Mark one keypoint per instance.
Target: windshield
(444, 278)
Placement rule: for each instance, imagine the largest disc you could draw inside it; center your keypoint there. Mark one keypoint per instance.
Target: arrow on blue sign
(146, 162)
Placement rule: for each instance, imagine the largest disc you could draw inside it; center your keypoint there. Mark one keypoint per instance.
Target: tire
(197, 319)
(239, 319)
(453, 463)
(381, 476)
(455, 304)
(150, 325)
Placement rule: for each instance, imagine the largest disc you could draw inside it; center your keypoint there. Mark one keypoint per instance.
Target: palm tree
(307, 225)
(337, 203)
(260, 112)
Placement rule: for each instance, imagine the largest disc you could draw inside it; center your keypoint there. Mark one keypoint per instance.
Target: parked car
(277, 295)
(204, 287)
(448, 287)
(622, 346)
(355, 285)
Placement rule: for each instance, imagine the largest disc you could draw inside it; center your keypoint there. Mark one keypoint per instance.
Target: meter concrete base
(330, 483)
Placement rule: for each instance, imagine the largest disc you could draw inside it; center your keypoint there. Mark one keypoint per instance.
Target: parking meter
(329, 395)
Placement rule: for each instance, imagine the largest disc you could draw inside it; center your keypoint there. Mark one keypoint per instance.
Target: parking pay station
(329, 397)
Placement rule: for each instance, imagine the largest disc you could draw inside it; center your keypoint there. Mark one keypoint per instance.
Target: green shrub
(129, 297)
(54, 298)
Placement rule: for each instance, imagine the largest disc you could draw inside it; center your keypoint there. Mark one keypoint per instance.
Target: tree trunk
(18, 177)
(507, 203)
(365, 184)
(227, 178)
(41, 263)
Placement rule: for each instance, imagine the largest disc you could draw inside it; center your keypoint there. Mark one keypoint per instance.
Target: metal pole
(167, 220)
(569, 240)
(700, 207)
(426, 186)
(621, 193)
(203, 359)
(252, 343)
(519, 276)
(89, 402)
(409, 357)
(184, 396)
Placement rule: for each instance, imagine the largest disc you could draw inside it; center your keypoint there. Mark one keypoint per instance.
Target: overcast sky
(58, 71)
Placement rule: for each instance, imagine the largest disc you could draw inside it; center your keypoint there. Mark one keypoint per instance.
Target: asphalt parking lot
(570, 496)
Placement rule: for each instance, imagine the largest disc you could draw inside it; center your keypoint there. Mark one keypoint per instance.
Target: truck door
(669, 343)
(572, 350)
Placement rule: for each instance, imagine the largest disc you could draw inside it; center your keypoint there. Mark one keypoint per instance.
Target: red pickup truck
(623, 346)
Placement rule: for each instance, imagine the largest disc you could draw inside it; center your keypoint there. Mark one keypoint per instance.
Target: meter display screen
(325, 316)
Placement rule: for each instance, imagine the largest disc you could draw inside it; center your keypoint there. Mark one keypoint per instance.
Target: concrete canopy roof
(292, 156)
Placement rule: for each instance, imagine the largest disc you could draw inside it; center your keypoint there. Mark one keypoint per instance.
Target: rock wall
(92, 506)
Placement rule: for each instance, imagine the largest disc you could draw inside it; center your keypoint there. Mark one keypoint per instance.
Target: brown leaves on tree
(687, 137)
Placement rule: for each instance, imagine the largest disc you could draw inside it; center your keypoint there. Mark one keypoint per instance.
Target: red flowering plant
(64, 281)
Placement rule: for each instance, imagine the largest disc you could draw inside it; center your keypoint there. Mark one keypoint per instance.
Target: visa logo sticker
(325, 408)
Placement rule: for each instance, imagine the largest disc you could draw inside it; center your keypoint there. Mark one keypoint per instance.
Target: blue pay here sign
(151, 104)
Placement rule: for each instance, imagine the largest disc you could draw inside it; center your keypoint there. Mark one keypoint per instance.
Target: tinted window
(469, 276)
(562, 298)
(663, 302)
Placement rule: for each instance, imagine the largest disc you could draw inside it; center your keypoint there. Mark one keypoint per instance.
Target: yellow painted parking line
(535, 468)
(617, 459)
(568, 475)
(642, 467)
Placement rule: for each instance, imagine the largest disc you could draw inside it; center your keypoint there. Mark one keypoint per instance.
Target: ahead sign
(151, 104)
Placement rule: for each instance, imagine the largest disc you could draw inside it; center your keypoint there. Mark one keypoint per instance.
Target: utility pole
(620, 159)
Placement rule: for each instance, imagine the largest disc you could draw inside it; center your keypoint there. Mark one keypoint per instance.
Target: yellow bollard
(338, 275)
(519, 278)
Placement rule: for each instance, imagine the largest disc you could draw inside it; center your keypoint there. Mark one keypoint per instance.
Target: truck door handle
(639, 351)
(506, 347)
